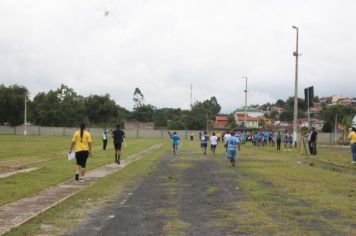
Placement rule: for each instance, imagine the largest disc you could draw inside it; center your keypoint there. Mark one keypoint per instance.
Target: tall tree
(12, 104)
(101, 109)
(138, 98)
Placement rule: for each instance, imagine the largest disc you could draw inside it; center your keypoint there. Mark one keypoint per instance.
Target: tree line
(64, 107)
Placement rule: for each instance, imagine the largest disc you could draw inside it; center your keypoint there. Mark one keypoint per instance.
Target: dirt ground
(192, 194)
(181, 197)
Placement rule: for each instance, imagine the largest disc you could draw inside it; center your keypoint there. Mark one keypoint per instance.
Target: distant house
(220, 122)
(354, 121)
(251, 122)
(316, 108)
(252, 112)
(267, 109)
(316, 123)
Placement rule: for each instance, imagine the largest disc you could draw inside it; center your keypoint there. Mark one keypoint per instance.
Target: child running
(213, 143)
(175, 141)
(232, 144)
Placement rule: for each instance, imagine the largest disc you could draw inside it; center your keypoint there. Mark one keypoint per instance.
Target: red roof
(220, 118)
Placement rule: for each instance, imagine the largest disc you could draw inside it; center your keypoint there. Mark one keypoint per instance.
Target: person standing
(83, 147)
(279, 140)
(313, 140)
(204, 142)
(175, 141)
(352, 138)
(191, 136)
(309, 142)
(213, 142)
(232, 144)
(118, 136)
(104, 134)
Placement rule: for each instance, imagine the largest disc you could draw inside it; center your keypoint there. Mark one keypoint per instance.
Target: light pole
(25, 116)
(295, 114)
(245, 123)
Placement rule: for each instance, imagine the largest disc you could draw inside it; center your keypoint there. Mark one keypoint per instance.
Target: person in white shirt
(213, 143)
(226, 137)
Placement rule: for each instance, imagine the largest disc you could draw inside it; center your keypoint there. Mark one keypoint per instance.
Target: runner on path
(83, 147)
(119, 137)
(232, 144)
(226, 137)
(175, 141)
(204, 142)
(213, 142)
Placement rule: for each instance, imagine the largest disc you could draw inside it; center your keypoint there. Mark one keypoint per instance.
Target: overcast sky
(164, 46)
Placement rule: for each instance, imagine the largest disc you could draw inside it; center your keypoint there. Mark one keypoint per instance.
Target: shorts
(117, 146)
(175, 145)
(81, 158)
(203, 145)
(213, 146)
(231, 153)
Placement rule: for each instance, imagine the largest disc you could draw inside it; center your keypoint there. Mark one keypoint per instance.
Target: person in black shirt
(313, 140)
(118, 136)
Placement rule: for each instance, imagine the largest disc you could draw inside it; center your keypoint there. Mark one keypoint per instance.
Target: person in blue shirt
(232, 143)
(175, 141)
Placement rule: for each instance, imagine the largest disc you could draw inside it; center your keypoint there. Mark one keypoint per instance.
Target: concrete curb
(17, 213)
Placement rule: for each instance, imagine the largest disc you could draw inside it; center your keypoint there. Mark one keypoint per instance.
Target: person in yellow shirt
(352, 138)
(83, 147)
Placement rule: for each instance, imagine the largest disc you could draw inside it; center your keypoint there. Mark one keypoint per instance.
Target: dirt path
(184, 196)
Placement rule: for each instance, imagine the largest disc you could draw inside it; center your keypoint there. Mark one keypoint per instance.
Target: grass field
(283, 192)
(49, 155)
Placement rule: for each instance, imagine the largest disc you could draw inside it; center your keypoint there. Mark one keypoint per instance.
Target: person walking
(232, 144)
(104, 134)
(83, 147)
(213, 143)
(352, 138)
(118, 136)
(175, 141)
(313, 140)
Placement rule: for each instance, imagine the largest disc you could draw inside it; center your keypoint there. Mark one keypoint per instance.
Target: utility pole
(308, 103)
(295, 114)
(191, 96)
(25, 116)
(245, 122)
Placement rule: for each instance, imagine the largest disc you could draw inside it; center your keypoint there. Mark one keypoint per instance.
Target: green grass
(53, 170)
(68, 214)
(280, 192)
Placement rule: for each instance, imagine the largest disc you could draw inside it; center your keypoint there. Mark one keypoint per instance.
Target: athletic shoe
(76, 177)
(118, 161)
(81, 180)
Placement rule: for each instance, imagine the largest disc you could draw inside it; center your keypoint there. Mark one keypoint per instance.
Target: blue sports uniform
(232, 143)
(175, 140)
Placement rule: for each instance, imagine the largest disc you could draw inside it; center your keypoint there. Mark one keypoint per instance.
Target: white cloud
(164, 46)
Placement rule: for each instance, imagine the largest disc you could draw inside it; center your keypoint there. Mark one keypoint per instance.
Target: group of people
(82, 145)
(231, 141)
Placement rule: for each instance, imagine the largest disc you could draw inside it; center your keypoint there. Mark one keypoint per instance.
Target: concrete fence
(130, 133)
(95, 132)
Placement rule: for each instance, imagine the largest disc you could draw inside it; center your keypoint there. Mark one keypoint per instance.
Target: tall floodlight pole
(295, 115)
(25, 116)
(245, 101)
